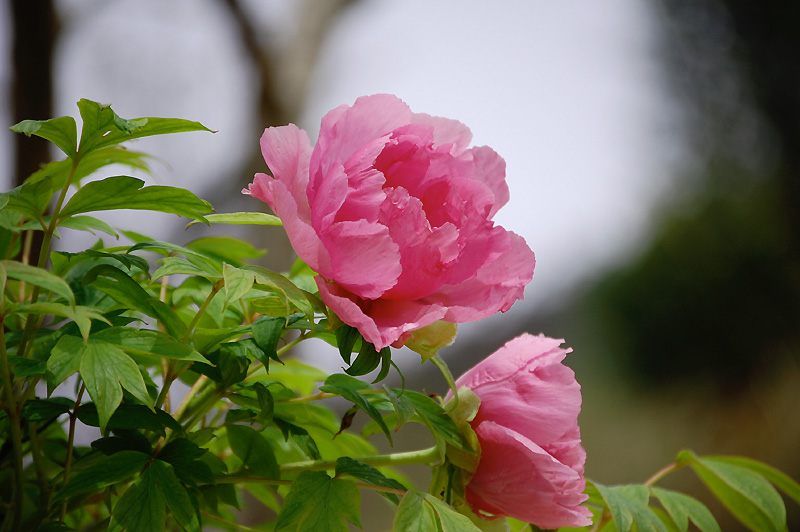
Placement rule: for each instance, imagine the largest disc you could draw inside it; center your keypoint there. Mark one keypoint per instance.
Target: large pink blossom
(394, 212)
(531, 464)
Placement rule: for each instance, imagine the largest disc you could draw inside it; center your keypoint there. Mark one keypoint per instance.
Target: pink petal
(364, 258)
(381, 322)
(446, 132)
(517, 478)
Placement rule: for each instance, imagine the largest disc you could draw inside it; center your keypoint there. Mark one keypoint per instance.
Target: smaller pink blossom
(531, 464)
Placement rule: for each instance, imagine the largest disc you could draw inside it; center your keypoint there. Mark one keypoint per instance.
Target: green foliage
(108, 330)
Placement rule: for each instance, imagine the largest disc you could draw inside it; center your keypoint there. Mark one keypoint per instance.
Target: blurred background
(653, 157)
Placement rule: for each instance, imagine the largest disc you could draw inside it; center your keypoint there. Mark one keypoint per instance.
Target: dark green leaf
(300, 436)
(105, 370)
(60, 131)
(175, 495)
(141, 508)
(54, 526)
(26, 367)
(266, 404)
(30, 199)
(39, 277)
(123, 440)
(319, 503)
(65, 359)
(186, 459)
(107, 471)
(266, 334)
(682, 507)
(82, 316)
(125, 192)
(349, 388)
(346, 338)
(370, 475)
(367, 360)
(403, 408)
(45, 409)
(131, 416)
(254, 451)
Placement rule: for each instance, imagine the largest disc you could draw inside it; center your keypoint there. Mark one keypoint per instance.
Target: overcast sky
(567, 92)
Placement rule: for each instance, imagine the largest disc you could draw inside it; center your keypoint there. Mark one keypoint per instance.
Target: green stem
(661, 473)
(41, 474)
(12, 408)
(70, 444)
(216, 288)
(425, 456)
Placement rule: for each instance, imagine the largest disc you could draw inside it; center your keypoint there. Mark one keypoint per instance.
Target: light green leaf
(624, 502)
(89, 224)
(113, 469)
(141, 508)
(175, 495)
(682, 507)
(59, 171)
(428, 340)
(125, 192)
(60, 131)
(304, 301)
(81, 315)
(105, 370)
(148, 127)
(65, 359)
(210, 267)
(436, 418)
(234, 251)
(319, 503)
(237, 282)
(241, 218)
(449, 519)
(179, 266)
(254, 451)
(30, 199)
(745, 493)
(148, 342)
(414, 514)
(39, 277)
(779, 479)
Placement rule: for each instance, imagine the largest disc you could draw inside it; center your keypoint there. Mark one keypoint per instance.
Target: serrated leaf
(62, 132)
(141, 508)
(106, 369)
(253, 450)
(109, 470)
(347, 466)
(319, 503)
(415, 515)
(125, 192)
(681, 508)
(39, 277)
(350, 388)
(745, 493)
(241, 218)
(175, 496)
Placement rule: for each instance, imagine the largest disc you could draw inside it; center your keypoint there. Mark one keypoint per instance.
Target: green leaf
(82, 316)
(745, 493)
(30, 199)
(130, 416)
(65, 359)
(26, 367)
(305, 302)
(175, 495)
(347, 466)
(59, 171)
(39, 277)
(105, 370)
(779, 479)
(108, 470)
(62, 132)
(346, 338)
(241, 218)
(141, 508)
(125, 192)
(449, 519)
(228, 249)
(266, 334)
(254, 451)
(203, 262)
(414, 514)
(319, 503)
(629, 503)
(404, 409)
(682, 507)
(350, 388)
(89, 224)
(436, 418)
(148, 127)
(148, 342)
(237, 282)
(46, 409)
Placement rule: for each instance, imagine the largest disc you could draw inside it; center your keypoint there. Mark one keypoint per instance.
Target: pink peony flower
(394, 213)
(531, 464)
